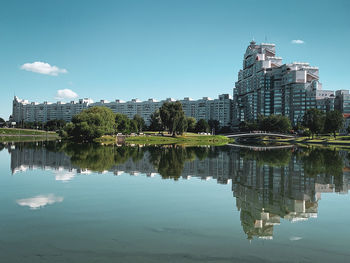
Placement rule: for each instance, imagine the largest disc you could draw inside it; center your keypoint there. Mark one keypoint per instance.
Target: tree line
(317, 122)
(314, 122)
(97, 121)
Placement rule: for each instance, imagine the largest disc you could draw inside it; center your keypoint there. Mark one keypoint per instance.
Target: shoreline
(187, 139)
(318, 142)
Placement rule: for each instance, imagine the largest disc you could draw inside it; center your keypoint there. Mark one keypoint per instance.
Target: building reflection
(267, 185)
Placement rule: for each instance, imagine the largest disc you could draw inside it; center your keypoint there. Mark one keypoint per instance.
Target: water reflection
(39, 201)
(267, 185)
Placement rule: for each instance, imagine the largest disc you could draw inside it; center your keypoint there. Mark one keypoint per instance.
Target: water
(64, 203)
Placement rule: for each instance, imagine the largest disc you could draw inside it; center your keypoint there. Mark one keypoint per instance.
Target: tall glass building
(267, 86)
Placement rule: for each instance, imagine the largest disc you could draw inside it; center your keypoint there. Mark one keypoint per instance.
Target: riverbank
(319, 140)
(14, 134)
(154, 139)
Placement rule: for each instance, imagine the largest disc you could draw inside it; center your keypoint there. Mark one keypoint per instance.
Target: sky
(66, 50)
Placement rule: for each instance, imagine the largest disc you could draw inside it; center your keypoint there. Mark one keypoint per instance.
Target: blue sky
(159, 49)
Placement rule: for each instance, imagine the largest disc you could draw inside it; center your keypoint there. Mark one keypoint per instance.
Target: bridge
(258, 134)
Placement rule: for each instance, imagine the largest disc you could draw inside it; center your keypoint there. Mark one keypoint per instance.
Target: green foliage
(225, 129)
(54, 125)
(307, 133)
(278, 158)
(122, 123)
(31, 125)
(214, 124)
(274, 123)
(133, 126)
(333, 122)
(19, 132)
(90, 124)
(156, 122)
(245, 126)
(2, 122)
(126, 126)
(100, 158)
(140, 123)
(173, 117)
(314, 120)
(170, 161)
(318, 161)
(191, 124)
(183, 140)
(202, 126)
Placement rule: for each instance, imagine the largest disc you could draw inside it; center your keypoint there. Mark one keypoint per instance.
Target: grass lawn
(19, 132)
(26, 138)
(186, 139)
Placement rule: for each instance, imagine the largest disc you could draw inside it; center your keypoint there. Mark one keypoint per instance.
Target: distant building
(206, 108)
(342, 101)
(266, 86)
(25, 111)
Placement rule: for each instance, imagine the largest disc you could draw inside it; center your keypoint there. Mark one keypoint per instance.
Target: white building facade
(219, 109)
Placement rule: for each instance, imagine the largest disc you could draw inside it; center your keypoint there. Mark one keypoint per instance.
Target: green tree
(54, 125)
(2, 122)
(191, 124)
(243, 126)
(333, 122)
(314, 120)
(122, 123)
(91, 124)
(140, 122)
(133, 126)
(214, 125)
(202, 126)
(225, 129)
(156, 122)
(173, 117)
(275, 123)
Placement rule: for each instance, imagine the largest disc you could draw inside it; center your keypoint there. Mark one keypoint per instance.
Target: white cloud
(64, 176)
(43, 68)
(298, 41)
(39, 201)
(65, 94)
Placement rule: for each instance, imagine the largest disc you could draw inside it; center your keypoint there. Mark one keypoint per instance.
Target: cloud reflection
(64, 176)
(295, 238)
(40, 201)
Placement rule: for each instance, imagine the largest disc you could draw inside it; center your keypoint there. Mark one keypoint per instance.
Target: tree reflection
(321, 161)
(267, 185)
(100, 158)
(279, 157)
(169, 161)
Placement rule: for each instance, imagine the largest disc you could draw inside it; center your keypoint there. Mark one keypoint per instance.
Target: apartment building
(342, 101)
(267, 86)
(206, 108)
(25, 111)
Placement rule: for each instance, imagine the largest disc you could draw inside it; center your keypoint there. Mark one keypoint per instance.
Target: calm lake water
(68, 203)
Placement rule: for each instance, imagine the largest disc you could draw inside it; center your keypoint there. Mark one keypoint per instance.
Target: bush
(90, 124)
